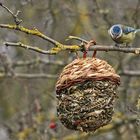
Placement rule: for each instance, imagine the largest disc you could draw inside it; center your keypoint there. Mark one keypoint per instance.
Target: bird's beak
(115, 36)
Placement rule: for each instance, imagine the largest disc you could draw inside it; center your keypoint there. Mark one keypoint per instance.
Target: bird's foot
(117, 45)
(121, 45)
(127, 46)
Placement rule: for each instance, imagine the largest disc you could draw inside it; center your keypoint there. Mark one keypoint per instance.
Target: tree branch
(23, 29)
(37, 61)
(58, 46)
(19, 44)
(15, 16)
(106, 47)
(130, 73)
(56, 50)
(52, 51)
(76, 38)
(28, 76)
(114, 48)
(31, 32)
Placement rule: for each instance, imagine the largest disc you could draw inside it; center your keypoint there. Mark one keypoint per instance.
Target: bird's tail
(137, 30)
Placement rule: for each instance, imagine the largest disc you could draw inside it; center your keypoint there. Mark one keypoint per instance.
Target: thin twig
(36, 61)
(114, 48)
(23, 29)
(28, 76)
(130, 73)
(52, 51)
(15, 16)
(31, 32)
(36, 49)
(76, 38)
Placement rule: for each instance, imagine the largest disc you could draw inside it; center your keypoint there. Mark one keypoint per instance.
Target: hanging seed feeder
(86, 91)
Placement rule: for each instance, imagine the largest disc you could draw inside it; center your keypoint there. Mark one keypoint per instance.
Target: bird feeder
(86, 91)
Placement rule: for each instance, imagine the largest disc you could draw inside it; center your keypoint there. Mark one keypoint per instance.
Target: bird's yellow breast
(125, 38)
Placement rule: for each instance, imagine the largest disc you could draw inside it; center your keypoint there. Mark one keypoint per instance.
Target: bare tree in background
(27, 78)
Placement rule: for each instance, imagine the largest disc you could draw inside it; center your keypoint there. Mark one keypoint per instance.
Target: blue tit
(122, 34)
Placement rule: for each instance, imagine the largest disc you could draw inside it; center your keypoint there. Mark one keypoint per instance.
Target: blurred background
(28, 102)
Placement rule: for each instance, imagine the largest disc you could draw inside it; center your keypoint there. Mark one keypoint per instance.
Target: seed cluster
(86, 91)
(86, 106)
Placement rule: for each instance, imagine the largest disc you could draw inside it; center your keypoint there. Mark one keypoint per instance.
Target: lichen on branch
(58, 47)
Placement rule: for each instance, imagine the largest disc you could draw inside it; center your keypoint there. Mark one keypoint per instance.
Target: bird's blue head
(115, 31)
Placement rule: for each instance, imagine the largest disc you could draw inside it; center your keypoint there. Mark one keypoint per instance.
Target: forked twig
(15, 16)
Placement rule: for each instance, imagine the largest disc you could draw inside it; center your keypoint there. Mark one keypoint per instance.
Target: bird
(122, 34)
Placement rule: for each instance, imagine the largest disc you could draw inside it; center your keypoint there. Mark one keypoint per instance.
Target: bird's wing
(127, 29)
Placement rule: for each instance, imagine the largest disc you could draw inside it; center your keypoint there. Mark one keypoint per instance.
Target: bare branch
(60, 47)
(130, 73)
(15, 16)
(56, 50)
(37, 61)
(52, 51)
(107, 48)
(76, 38)
(30, 31)
(28, 76)
(19, 44)
(114, 48)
